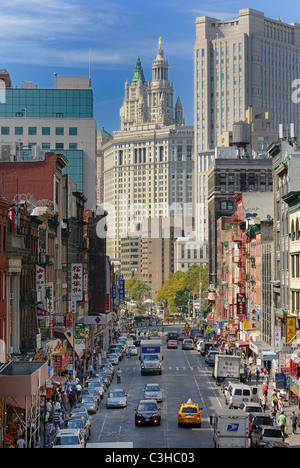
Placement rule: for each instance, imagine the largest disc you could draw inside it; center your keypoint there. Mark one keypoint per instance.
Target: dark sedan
(147, 412)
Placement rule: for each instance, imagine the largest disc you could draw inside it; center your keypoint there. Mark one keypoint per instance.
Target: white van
(240, 393)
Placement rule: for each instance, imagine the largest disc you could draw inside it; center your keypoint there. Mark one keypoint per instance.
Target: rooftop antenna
(55, 80)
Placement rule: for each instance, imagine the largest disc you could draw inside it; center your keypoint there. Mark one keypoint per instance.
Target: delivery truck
(226, 366)
(151, 357)
(230, 429)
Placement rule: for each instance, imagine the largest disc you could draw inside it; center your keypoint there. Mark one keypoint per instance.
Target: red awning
(242, 343)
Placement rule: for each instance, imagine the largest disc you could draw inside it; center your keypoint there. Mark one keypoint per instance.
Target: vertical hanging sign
(76, 282)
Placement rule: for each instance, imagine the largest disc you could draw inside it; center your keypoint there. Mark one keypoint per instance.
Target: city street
(185, 375)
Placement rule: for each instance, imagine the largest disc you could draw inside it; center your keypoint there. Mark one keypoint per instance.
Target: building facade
(148, 164)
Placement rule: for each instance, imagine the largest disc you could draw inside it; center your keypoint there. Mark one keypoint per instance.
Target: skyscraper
(248, 61)
(148, 164)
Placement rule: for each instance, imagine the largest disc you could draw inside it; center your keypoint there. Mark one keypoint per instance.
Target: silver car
(88, 402)
(116, 399)
(153, 392)
(263, 434)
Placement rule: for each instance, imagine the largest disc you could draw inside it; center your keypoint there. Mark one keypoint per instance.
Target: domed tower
(160, 91)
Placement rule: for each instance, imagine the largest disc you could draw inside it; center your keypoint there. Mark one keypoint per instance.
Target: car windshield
(66, 440)
(87, 399)
(189, 409)
(93, 384)
(253, 409)
(75, 424)
(152, 388)
(116, 394)
(147, 407)
(262, 420)
(151, 357)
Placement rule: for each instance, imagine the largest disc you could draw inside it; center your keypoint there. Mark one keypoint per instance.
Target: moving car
(69, 438)
(189, 413)
(172, 336)
(153, 392)
(132, 350)
(116, 399)
(172, 344)
(187, 343)
(147, 412)
(261, 435)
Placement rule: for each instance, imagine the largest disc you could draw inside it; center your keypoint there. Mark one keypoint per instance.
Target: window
(59, 146)
(45, 145)
(73, 146)
(59, 131)
(18, 130)
(4, 130)
(73, 131)
(31, 130)
(46, 131)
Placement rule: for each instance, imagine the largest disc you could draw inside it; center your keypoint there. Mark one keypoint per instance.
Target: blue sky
(39, 38)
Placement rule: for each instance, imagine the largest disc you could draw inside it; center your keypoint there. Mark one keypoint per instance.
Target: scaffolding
(20, 400)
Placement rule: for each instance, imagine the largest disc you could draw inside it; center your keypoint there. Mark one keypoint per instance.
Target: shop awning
(242, 343)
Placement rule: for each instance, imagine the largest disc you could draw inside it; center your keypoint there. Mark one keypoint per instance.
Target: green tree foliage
(135, 288)
(179, 286)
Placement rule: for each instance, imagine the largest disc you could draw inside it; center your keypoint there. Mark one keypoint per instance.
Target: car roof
(147, 401)
(189, 404)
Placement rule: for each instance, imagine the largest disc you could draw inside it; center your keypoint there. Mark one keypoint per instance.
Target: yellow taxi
(189, 413)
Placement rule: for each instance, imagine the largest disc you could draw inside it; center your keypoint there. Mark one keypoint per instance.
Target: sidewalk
(292, 440)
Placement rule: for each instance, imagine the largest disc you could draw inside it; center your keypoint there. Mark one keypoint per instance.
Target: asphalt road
(185, 375)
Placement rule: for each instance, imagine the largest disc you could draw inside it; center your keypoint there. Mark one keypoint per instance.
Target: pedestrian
(20, 442)
(230, 402)
(282, 423)
(273, 415)
(249, 375)
(263, 402)
(265, 389)
(294, 420)
(257, 376)
(281, 406)
(91, 369)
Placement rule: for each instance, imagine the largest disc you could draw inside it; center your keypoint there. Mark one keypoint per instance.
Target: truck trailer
(151, 357)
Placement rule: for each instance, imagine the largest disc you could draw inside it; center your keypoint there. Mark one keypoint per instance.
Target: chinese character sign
(290, 329)
(241, 305)
(40, 281)
(76, 281)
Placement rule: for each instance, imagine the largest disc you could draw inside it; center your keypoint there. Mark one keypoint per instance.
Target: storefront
(264, 356)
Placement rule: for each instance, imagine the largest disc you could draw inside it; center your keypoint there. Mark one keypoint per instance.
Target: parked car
(116, 398)
(198, 345)
(104, 376)
(88, 402)
(147, 412)
(137, 341)
(210, 357)
(257, 419)
(93, 392)
(69, 438)
(82, 412)
(261, 435)
(97, 384)
(78, 422)
(251, 407)
(113, 358)
(153, 392)
(187, 343)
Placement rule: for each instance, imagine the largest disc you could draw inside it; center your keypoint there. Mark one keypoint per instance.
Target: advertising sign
(241, 305)
(76, 282)
(290, 329)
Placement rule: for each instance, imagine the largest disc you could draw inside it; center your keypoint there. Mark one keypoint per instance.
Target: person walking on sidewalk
(282, 423)
(294, 420)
